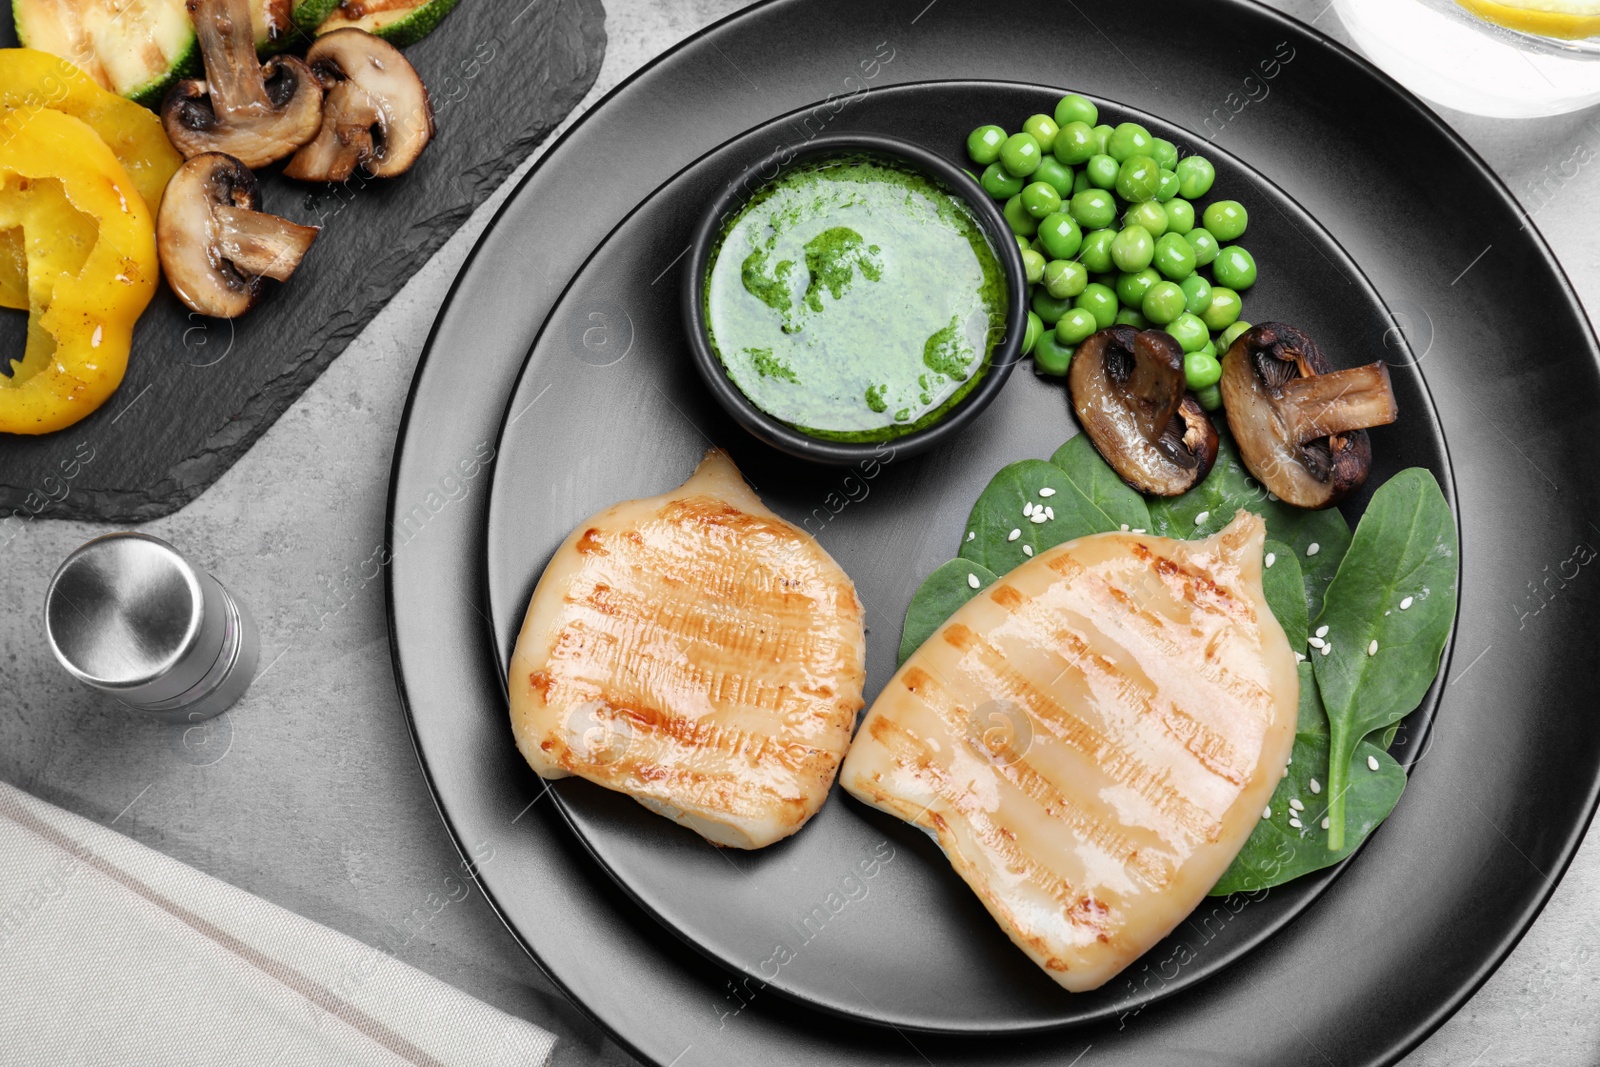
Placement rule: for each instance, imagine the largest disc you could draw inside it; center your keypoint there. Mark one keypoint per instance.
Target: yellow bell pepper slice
(90, 246)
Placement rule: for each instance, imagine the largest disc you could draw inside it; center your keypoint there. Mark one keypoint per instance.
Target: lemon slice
(1568, 19)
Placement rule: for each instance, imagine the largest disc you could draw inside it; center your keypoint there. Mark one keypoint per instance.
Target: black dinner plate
(1498, 800)
(911, 947)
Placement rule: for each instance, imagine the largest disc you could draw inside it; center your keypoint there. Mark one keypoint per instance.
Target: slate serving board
(199, 391)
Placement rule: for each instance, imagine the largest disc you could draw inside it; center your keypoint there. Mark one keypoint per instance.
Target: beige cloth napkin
(112, 953)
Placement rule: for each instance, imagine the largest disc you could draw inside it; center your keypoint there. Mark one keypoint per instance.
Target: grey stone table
(308, 793)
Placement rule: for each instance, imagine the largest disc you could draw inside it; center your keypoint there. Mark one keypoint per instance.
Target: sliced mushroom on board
(258, 113)
(216, 243)
(376, 114)
(1128, 392)
(1300, 425)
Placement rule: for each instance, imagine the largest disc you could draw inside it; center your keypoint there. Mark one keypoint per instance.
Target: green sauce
(855, 300)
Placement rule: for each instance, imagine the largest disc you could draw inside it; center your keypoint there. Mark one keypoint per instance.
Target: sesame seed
(1049, 512)
(1200, 519)
(1027, 550)
(1316, 786)
(1027, 509)
(1296, 805)
(971, 534)
(1272, 496)
(1272, 557)
(1322, 631)
(1372, 763)
(1406, 603)
(1316, 642)
(1313, 548)
(1299, 657)
(1013, 535)
(1326, 648)
(1047, 491)
(1266, 813)
(1324, 823)
(1038, 516)
(1296, 824)
(1289, 762)
(1285, 773)
(972, 580)
(1372, 649)
(1137, 530)
(1124, 527)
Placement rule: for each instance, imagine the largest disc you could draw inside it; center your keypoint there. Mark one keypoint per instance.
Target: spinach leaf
(937, 598)
(1388, 612)
(1002, 537)
(1277, 852)
(1104, 500)
(1230, 487)
(1286, 593)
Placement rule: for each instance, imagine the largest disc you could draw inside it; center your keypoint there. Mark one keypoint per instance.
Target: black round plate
(1496, 804)
(911, 946)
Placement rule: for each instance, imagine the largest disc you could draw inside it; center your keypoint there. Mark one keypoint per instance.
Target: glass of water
(1441, 50)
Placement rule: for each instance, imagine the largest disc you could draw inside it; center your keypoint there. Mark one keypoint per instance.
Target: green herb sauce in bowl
(857, 294)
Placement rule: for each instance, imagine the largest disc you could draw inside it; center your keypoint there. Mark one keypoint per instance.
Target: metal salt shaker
(128, 615)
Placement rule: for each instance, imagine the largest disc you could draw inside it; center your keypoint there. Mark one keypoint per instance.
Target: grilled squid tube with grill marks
(698, 653)
(1092, 738)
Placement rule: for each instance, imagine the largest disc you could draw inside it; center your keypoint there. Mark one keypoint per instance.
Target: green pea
(1075, 326)
(1102, 171)
(1190, 333)
(1226, 219)
(1195, 175)
(1138, 179)
(1168, 187)
(1022, 242)
(1234, 268)
(1132, 286)
(1196, 292)
(998, 183)
(1074, 143)
(1174, 256)
(1223, 310)
(1132, 249)
(1094, 209)
(983, 144)
(1163, 303)
(1075, 108)
(1065, 277)
(1044, 130)
(1081, 181)
(1127, 140)
(1204, 245)
(1210, 397)
(1180, 216)
(1130, 317)
(1055, 174)
(1049, 308)
(1033, 266)
(1095, 255)
(1040, 199)
(1107, 278)
(1150, 214)
(1022, 223)
(1210, 349)
(1031, 335)
(1060, 236)
(1100, 302)
(1226, 338)
(1020, 154)
(1201, 371)
(1051, 356)
(1102, 139)
(1165, 153)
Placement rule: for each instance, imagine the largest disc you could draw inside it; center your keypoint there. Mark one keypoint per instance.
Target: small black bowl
(781, 435)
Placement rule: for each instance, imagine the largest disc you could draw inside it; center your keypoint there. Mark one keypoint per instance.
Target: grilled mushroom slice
(216, 244)
(256, 113)
(376, 114)
(1301, 427)
(1127, 388)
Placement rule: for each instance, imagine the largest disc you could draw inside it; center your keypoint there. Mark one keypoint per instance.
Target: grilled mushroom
(1301, 427)
(256, 113)
(216, 244)
(376, 114)
(1127, 388)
